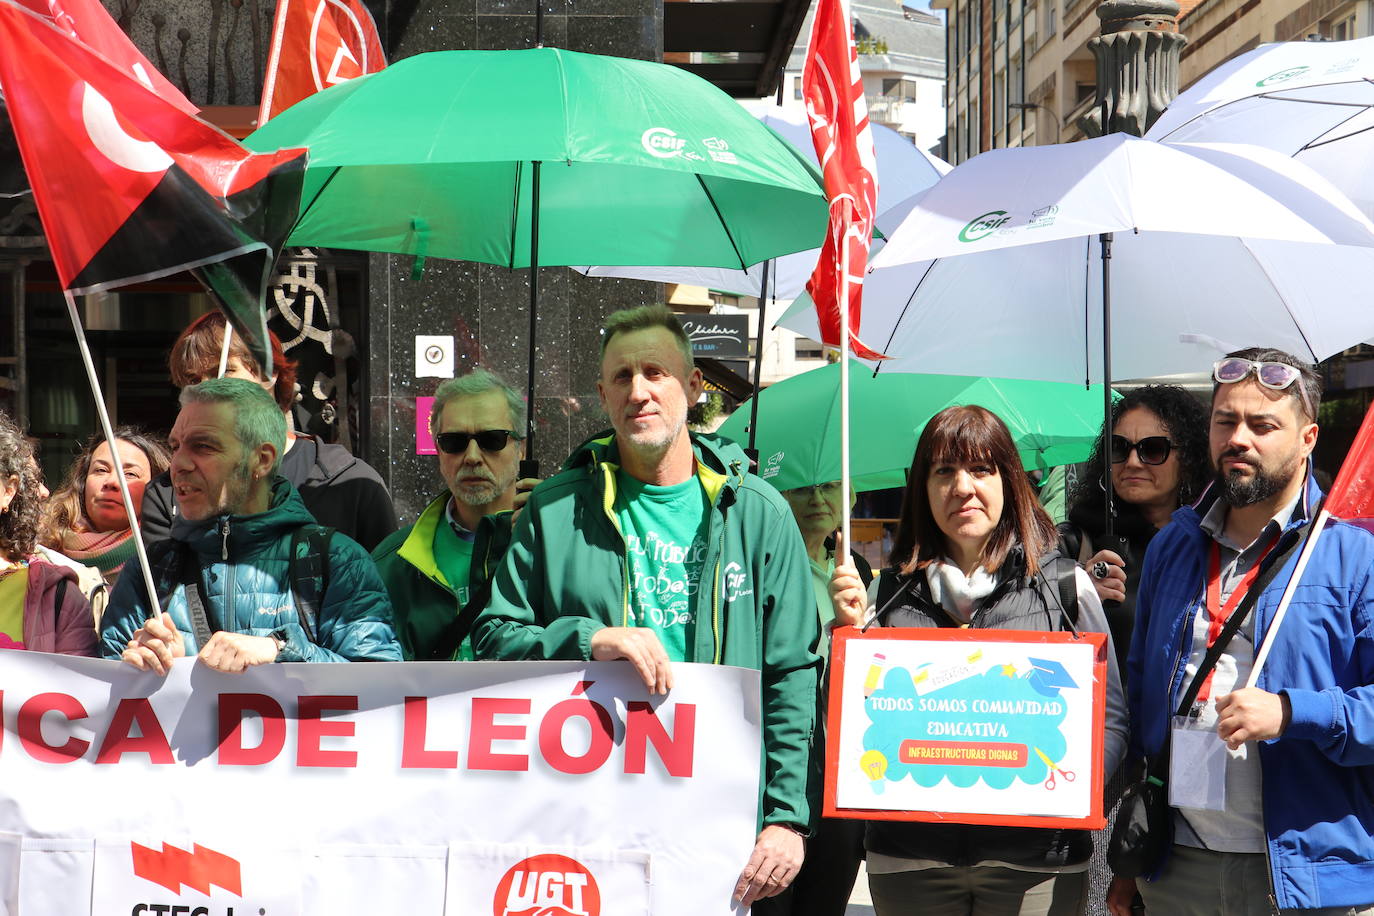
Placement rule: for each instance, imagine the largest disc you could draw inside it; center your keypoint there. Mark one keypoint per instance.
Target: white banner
(511, 788)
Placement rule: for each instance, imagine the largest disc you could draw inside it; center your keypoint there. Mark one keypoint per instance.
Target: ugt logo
(547, 885)
(985, 225)
(197, 869)
(1282, 76)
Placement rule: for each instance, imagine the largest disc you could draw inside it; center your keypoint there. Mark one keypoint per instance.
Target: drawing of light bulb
(874, 765)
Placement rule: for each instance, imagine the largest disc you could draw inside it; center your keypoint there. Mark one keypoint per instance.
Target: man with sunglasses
(1269, 786)
(656, 545)
(438, 570)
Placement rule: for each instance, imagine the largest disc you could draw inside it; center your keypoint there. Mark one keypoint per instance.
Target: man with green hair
(438, 570)
(247, 578)
(657, 546)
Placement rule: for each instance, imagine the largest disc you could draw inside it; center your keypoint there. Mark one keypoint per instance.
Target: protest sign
(967, 726)
(510, 788)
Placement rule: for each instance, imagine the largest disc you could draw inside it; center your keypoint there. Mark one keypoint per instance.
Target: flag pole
(224, 350)
(106, 427)
(844, 386)
(1263, 655)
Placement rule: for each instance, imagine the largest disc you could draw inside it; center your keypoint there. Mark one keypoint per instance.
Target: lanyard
(1218, 614)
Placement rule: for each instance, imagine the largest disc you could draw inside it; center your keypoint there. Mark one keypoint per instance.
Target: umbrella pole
(844, 392)
(1106, 240)
(529, 467)
(108, 430)
(753, 451)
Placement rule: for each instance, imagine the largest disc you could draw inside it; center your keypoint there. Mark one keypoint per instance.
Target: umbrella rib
(301, 215)
(1264, 95)
(898, 323)
(1353, 133)
(1283, 300)
(515, 212)
(721, 219)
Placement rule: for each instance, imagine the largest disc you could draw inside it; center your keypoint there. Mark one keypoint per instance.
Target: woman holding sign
(974, 549)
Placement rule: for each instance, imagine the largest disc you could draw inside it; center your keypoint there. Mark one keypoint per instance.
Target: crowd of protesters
(608, 559)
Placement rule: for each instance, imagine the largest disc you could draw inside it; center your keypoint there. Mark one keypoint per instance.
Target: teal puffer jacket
(245, 561)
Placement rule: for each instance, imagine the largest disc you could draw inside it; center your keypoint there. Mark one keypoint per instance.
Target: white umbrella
(1313, 100)
(903, 170)
(997, 270)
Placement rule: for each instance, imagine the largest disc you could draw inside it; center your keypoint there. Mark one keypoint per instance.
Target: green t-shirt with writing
(665, 544)
(453, 556)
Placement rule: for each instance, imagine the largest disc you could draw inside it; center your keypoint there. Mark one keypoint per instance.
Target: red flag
(130, 187)
(1352, 494)
(316, 44)
(89, 23)
(835, 104)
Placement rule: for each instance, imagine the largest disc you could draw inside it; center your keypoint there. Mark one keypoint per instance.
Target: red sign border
(839, 642)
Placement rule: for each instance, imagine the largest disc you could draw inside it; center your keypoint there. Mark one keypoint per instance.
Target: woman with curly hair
(41, 607)
(1159, 462)
(85, 518)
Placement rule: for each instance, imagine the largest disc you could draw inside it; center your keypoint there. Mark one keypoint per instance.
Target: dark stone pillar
(484, 307)
(1137, 65)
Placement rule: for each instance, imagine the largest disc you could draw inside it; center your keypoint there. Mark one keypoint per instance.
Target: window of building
(999, 102)
(1343, 29)
(808, 349)
(901, 88)
(1050, 22)
(797, 88)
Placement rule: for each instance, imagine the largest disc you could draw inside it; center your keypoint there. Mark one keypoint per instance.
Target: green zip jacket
(565, 577)
(425, 604)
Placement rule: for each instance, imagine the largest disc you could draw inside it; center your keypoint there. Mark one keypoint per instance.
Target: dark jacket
(565, 577)
(340, 490)
(67, 629)
(1015, 604)
(429, 623)
(244, 563)
(1087, 519)
(1318, 776)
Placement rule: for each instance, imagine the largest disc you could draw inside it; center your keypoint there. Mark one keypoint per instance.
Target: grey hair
(643, 318)
(257, 418)
(479, 381)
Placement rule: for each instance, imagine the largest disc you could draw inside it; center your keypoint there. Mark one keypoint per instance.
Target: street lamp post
(1032, 106)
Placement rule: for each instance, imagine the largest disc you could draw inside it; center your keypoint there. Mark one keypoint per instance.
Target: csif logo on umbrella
(662, 143)
(1282, 76)
(984, 225)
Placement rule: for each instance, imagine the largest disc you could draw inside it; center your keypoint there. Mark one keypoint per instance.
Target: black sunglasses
(1151, 449)
(488, 440)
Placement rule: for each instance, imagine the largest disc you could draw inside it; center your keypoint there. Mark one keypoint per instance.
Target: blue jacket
(355, 614)
(1318, 777)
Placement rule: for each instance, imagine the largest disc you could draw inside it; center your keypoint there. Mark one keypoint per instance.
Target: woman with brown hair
(974, 549)
(41, 607)
(85, 518)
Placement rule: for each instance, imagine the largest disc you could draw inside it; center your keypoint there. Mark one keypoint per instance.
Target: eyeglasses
(1275, 376)
(825, 489)
(1150, 450)
(488, 440)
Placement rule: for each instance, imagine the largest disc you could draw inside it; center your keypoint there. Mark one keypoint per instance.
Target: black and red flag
(130, 186)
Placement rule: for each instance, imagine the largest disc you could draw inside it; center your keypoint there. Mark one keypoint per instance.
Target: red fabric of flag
(834, 91)
(1352, 494)
(317, 44)
(130, 187)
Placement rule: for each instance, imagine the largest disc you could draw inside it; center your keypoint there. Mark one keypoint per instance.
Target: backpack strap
(309, 573)
(1059, 586)
(197, 605)
(59, 595)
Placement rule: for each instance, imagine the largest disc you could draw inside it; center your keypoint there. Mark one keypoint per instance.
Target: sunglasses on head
(1150, 450)
(488, 440)
(1275, 376)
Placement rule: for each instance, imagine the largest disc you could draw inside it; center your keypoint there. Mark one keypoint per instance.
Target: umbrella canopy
(997, 270)
(640, 163)
(799, 422)
(1313, 100)
(903, 170)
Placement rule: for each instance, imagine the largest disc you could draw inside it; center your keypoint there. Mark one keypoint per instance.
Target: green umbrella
(1052, 423)
(545, 156)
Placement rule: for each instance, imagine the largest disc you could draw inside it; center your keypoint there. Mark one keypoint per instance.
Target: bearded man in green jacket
(438, 571)
(655, 545)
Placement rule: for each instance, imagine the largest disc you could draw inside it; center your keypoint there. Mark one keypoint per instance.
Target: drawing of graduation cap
(1048, 676)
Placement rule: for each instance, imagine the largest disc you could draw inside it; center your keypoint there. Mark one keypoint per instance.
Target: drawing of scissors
(1068, 775)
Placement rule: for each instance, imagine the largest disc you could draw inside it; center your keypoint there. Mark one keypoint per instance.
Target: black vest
(1017, 603)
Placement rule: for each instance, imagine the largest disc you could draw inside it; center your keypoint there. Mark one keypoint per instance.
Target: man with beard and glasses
(247, 577)
(439, 569)
(1269, 786)
(657, 545)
